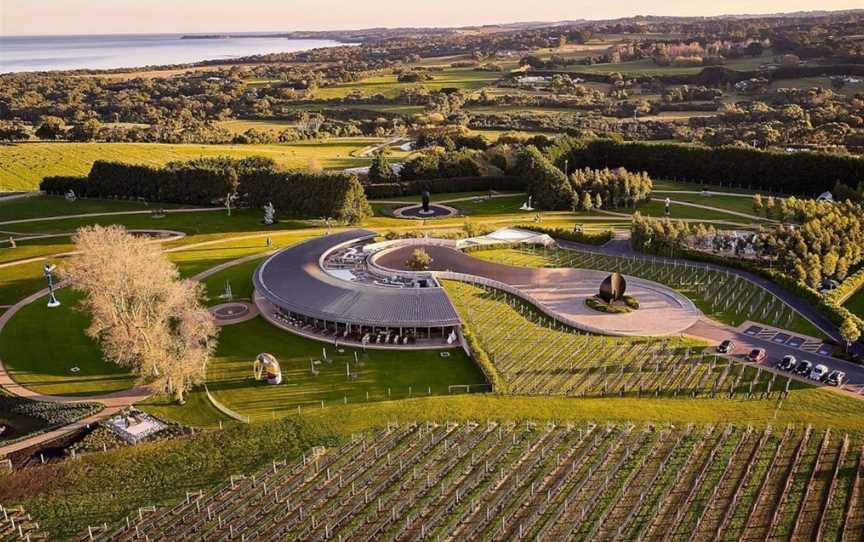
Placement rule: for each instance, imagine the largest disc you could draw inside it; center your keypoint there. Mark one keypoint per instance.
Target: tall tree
(143, 316)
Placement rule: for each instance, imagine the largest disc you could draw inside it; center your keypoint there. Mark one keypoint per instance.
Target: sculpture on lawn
(425, 199)
(267, 366)
(613, 288)
(269, 214)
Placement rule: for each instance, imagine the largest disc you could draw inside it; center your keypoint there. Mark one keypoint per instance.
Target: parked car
(756, 355)
(804, 367)
(726, 346)
(819, 373)
(787, 363)
(836, 378)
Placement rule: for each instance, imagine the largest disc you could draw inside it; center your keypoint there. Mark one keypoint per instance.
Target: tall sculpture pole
(48, 269)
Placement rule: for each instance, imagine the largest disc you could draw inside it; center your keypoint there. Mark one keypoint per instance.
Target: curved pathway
(662, 311)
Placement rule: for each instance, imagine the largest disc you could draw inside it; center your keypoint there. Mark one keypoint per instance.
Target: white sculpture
(527, 205)
(70, 196)
(269, 213)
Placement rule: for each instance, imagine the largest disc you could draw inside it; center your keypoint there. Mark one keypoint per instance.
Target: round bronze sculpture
(613, 288)
(425, 197)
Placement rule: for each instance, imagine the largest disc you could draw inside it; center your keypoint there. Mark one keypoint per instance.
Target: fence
(224, 409)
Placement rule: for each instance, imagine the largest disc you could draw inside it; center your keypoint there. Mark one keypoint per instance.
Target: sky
(38, 17)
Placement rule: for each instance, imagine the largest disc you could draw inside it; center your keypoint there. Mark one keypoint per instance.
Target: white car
(819, 373)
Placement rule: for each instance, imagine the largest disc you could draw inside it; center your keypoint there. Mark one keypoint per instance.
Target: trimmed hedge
(586, 238)
(847, 288)
(499, 385)
(451, 184)
(807, 173)
(207, 182)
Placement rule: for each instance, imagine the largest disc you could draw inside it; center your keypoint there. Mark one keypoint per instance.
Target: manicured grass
(383, 374)
(657, 208)
(492, 206)
(23, 166)
(43, 206)
(33, 248)
(856, 303)
(198, 411)
(738, 204)
(40, 346)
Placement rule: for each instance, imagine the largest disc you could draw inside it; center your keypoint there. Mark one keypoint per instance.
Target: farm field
(23, 166)
(497, 480)
(465, 79)
(649, 67)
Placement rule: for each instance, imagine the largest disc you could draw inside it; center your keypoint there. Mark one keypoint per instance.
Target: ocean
(42, 53)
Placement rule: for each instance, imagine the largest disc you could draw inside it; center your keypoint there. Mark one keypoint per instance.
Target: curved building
(324, 288)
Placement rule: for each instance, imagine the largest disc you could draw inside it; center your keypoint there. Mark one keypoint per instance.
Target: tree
(86, 131)
(143, 316)
(754, 49)
(587, 203)
(598, 201)
(547, 184)
(380, 169)
(757, 204)
(13, 131)
(419, 260)
(849, 331)
(770, 207)
(51, 128)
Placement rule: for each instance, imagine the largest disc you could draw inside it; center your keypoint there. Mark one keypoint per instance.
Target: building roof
(294, 280)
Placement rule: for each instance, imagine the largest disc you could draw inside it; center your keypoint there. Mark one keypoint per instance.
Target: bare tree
(144, 317)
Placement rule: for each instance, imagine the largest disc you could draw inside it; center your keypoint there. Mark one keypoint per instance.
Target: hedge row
(499, 385)
(847, 288)
(452, 184)
(207, 182)
(586, 238)
(807, 173)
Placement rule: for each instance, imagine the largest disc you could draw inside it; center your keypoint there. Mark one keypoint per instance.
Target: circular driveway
(662, 311)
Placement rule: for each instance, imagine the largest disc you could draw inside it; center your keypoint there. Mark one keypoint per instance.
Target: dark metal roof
(294, 280)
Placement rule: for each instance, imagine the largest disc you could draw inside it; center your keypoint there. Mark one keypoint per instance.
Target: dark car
(836, 378)
(787, 363)
(726, 346)
(804, 367)
(756, 355)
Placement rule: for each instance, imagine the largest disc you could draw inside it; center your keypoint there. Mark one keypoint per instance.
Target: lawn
(22, 166)
(856, 303)
(43, 206)
(382, 374)
(40, 346)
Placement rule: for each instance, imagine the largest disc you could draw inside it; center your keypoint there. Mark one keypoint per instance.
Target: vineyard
(537, 356)
(17, 525)
(540, 482)
(721, 294)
